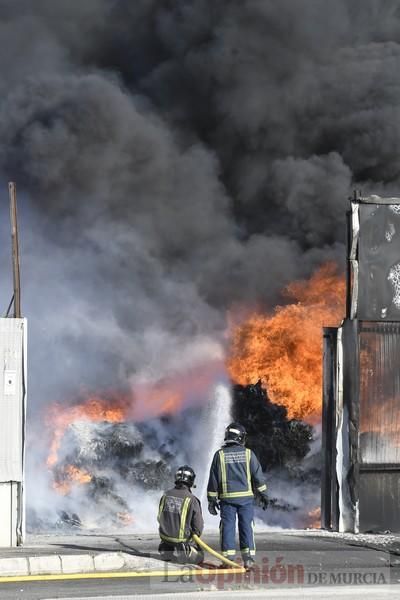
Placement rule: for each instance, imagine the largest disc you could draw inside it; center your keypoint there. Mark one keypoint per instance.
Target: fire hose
(207, 548)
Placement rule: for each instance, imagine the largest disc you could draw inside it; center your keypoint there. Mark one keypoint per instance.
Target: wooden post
(12, 189)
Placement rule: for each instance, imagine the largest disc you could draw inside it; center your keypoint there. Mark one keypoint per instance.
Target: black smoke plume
(181, 157)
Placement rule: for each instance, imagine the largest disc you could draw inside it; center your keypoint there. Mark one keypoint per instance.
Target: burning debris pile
(100, 467)
(108, 459)
(288, 452)
(105, 472)
(105, 469)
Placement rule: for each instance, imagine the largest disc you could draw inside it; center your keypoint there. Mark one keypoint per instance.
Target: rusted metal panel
(380, 393)
(379, 499)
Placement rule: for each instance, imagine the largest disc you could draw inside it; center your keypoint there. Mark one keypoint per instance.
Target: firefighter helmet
(186, 475)
(235, 433)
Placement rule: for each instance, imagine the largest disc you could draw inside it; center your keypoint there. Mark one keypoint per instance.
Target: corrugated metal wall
(379, 393)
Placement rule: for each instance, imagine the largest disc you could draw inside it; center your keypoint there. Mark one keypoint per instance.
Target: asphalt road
(103, 590)
(297, 562)
(347, 593)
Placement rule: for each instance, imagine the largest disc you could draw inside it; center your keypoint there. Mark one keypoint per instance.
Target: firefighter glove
(213, 507)
(263, 501)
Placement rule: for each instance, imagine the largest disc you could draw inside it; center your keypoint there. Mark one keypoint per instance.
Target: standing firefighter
(235, 476)
(179, 516)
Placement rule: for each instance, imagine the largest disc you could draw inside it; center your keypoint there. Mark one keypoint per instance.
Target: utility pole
(12, 190)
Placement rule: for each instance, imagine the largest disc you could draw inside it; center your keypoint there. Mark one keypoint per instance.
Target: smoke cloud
(175, 159)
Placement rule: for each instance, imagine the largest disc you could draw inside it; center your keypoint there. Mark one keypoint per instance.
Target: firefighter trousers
(185, 553)
(245, 515)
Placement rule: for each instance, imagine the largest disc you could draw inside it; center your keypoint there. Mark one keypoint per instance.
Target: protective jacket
(235, 473)
(179, 515)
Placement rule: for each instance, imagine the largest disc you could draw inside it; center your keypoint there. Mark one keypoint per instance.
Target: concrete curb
(60, 564)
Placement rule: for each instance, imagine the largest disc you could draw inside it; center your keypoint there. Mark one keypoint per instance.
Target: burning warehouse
(360, 489)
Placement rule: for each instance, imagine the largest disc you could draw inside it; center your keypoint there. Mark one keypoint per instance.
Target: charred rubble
(120, 458)
(276, 440)
(288, 451)
(120, 449)
(117, 458)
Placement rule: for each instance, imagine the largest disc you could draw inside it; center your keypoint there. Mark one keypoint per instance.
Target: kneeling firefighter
(235, 476)
(179, 516)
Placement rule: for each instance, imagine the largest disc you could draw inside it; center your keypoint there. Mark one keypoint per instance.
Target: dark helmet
(185, 475)
(235, 433)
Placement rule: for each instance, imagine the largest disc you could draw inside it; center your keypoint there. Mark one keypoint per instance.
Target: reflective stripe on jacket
(234, 472)
(179, 515)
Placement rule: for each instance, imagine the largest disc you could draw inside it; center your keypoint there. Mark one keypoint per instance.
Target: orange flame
(94, 409)
(71, 475)
(143, 402)
(284, 349)
(125, 518)
(315, 518)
